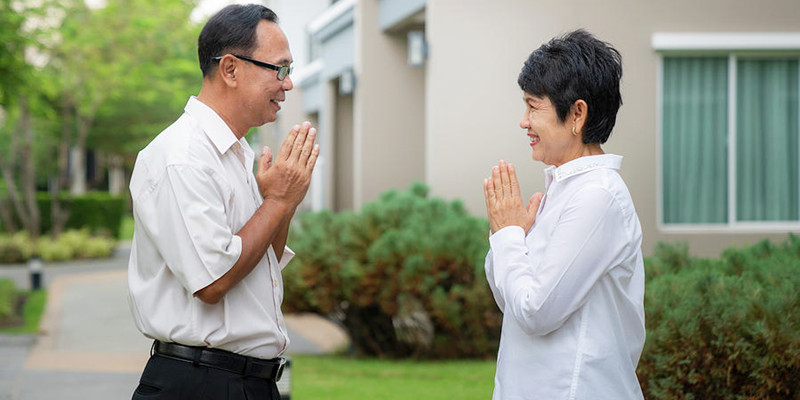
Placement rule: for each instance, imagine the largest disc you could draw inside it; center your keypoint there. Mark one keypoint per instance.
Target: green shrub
(15, 248)
(55, 250)
(723, 329)
(100, 212)
(19, 247)
(404, 276)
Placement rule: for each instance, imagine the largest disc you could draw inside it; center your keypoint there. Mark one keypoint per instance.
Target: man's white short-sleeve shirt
(571, 290)
(191, 195)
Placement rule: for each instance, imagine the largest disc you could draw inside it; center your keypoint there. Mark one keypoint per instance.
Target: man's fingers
(308, 146)
(312, 159)
(265, 159)
(286, 147)
(299, 141)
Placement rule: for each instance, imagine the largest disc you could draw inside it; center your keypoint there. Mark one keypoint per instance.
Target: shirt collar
(581, 165)
(212, 124)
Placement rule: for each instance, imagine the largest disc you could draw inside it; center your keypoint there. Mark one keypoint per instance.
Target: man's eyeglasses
(283, 70)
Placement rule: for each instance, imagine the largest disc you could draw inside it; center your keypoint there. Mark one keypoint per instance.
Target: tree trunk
(78, 153)
(7, 169)
(77, 170)
(116, 175)
(58, 214)
(28, 171)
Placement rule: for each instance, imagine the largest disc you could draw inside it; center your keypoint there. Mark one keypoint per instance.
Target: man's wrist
(281, 206)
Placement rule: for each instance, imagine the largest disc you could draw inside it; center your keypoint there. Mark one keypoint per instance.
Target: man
(209, 245)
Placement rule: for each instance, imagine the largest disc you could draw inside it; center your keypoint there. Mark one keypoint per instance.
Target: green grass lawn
(126, 228)
(32, 314)
(334, 377)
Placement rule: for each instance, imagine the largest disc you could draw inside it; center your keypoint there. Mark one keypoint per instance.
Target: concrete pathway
(89, 348)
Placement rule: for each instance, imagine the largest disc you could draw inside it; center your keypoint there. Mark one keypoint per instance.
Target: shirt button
(275, 282)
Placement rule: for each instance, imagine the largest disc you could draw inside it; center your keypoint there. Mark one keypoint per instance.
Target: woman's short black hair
(573, 67)
(231, 30)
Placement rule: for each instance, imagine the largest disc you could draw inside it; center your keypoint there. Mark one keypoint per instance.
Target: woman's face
(551, 140)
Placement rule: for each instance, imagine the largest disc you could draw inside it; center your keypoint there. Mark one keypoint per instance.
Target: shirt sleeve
(186, 218)
(288, 255)
(488, 267)
(542, 291)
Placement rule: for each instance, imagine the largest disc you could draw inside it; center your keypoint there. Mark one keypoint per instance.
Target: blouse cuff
(506, 235)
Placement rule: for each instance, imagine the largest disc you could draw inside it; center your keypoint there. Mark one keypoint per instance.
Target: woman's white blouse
(571, 290)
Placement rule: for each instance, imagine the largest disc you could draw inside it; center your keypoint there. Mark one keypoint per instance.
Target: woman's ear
(580, 111)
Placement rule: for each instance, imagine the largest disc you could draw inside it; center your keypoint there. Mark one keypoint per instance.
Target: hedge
(100, 212)
(727, 328)
(72, 244)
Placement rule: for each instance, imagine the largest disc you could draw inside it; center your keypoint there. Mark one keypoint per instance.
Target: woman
(567, 269)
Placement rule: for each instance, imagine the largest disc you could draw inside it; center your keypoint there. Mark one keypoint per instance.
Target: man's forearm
(265, 226)
(279, 243)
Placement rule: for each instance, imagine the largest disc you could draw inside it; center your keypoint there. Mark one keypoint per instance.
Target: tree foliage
(107, 78)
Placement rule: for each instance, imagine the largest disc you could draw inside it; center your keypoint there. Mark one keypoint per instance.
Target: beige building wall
(474, 104)
(389, 109)
(343, 162)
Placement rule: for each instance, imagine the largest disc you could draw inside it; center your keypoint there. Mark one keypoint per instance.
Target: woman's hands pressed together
(503, 200)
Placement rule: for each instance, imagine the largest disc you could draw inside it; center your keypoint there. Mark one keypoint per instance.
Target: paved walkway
(89, 348)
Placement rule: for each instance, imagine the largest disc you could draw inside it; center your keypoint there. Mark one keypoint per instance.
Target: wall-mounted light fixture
(417, 48)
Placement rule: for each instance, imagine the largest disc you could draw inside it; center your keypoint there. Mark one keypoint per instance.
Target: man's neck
(213, 102)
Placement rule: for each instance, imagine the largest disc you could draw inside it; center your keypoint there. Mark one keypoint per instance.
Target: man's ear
(227, 69)
(580, 112)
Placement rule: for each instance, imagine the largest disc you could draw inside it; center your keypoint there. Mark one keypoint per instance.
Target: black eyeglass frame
(283, 70)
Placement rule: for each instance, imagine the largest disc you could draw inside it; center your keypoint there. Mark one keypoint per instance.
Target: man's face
(261, 90)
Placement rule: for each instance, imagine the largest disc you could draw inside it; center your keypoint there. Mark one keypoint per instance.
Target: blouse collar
(581, 165)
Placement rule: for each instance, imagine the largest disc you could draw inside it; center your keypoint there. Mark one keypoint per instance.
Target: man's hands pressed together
(283, 183)
(285, 179)
(504, 202)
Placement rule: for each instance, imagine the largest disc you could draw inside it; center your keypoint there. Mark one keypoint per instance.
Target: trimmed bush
(16, 248)
(404, 277)
(100, 212)
(723, 329)
(19, 247)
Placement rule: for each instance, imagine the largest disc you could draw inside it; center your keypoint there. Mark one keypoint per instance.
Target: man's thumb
(265, 160)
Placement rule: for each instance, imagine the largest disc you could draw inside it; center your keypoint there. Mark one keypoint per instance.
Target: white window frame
(734, 46)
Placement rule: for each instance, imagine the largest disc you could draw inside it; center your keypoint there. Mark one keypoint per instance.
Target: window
(729, 138)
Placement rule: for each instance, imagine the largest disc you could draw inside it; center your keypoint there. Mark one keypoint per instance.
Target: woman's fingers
(497, 184)
(513, 182)
(505, 180)
(535, 201)
(488, 192)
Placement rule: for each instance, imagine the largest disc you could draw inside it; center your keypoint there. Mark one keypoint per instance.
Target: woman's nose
(524, 123)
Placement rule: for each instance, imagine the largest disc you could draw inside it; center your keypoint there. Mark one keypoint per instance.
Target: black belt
(221, 359)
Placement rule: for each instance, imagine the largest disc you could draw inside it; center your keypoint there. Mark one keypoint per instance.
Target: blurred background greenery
(89, 87)
(81, 91)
